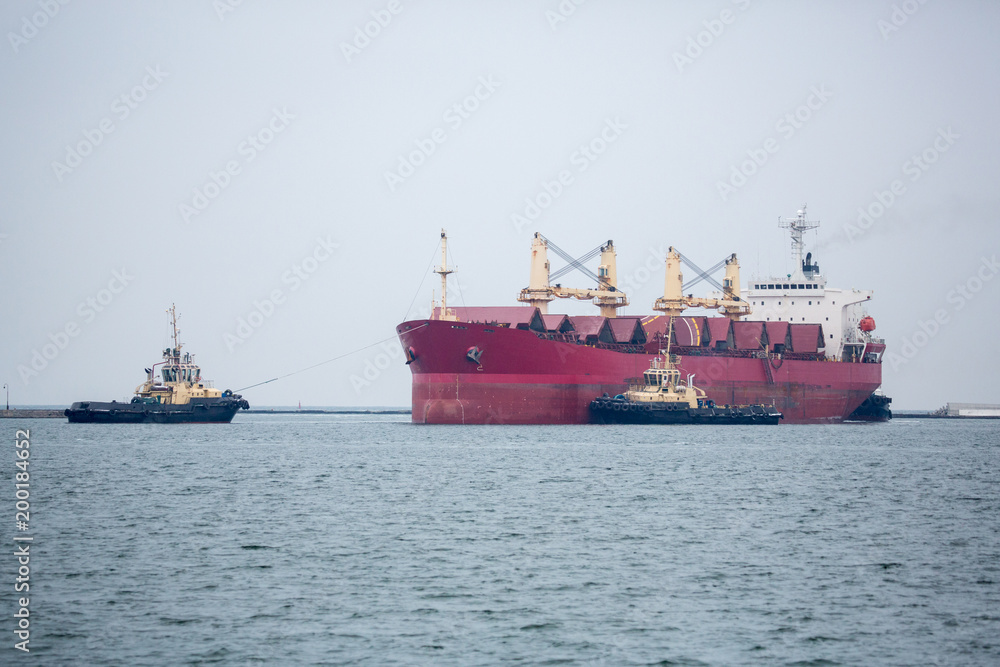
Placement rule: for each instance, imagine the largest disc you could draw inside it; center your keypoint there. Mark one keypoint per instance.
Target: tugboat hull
(205, 411)
(874, 409)
(618, 411)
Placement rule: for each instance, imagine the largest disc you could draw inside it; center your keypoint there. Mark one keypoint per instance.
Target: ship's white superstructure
(803, 297)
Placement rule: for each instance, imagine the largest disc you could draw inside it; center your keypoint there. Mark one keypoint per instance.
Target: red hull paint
(522, 379)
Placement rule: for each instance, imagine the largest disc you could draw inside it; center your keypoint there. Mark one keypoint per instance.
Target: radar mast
(173, 323)
(796, 227)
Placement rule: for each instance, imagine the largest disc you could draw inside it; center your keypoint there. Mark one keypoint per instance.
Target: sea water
(353, 539)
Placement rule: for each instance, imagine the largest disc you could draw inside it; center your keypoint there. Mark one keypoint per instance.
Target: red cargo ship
(789, 342)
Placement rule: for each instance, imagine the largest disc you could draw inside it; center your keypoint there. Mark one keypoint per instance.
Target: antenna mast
(796, 227)
(670, 335)
(173, 323)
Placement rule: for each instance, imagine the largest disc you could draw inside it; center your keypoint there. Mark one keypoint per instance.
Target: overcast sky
(298, 159)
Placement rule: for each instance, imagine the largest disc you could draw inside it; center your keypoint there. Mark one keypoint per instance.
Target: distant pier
(21, 413)
(32, 413)
(953, 411)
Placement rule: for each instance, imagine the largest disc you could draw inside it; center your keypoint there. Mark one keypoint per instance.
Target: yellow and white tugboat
(182, 397)
(663, 398)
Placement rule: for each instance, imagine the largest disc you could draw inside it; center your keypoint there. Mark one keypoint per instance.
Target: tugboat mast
(173, 322)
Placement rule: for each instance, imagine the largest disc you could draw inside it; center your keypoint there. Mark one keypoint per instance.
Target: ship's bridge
(180, 367)
(787, 286)
(662, 372)
(661, 377)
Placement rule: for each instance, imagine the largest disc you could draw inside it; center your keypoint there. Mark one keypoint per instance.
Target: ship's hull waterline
(523, 379)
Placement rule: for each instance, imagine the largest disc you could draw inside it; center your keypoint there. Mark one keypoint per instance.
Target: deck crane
(674, 302)
(540, 291)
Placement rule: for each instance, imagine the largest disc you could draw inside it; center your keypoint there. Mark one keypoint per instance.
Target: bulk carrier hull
(473, 373)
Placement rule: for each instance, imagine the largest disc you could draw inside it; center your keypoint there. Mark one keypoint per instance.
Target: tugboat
(182, 397)
(664, 399)
(874, 409)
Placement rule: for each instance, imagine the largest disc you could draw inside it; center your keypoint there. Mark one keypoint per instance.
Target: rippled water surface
(368, 540)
